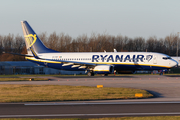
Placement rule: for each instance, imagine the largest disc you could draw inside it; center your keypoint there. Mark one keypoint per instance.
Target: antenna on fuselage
(115, 50)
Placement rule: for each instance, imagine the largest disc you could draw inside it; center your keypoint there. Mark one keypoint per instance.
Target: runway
(165, 88)
(85, 110)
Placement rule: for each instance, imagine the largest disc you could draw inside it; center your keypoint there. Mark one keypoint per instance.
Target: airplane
(92, 62)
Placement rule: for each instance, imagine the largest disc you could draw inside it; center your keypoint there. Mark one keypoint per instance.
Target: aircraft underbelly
(137, 67)
(127, 67)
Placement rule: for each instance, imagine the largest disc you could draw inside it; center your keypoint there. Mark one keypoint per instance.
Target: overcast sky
(132, 18)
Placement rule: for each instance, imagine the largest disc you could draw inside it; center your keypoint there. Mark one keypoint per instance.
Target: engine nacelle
(103, 69)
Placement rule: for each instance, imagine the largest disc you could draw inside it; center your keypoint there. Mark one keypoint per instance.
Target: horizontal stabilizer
(19, 54)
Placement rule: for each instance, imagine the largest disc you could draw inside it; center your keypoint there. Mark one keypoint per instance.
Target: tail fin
(33, 43)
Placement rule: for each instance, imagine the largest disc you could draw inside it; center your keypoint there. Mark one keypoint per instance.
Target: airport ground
(165, 88)
(162, 86)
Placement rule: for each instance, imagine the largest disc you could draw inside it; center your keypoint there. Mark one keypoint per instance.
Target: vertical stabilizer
(33, 43)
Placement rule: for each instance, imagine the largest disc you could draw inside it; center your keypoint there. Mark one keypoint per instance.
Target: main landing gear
(90, 73)
(161, 72)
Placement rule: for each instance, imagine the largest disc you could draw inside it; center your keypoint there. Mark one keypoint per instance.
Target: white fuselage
(120, 60)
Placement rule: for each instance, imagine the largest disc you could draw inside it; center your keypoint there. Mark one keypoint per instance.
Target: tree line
(95, 43)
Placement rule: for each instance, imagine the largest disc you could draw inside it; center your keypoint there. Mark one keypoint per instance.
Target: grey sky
(133, 18)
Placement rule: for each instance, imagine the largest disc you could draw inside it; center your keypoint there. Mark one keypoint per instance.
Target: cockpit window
(165, 58)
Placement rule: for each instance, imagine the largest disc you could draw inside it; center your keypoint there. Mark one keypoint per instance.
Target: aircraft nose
(174, 63)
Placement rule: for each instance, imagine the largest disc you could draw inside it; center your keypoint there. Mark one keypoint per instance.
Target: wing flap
(74, 63)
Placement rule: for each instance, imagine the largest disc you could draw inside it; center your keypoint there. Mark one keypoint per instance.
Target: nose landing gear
(161, 72)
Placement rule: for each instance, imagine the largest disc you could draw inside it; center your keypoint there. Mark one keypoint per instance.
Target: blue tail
(33, 43)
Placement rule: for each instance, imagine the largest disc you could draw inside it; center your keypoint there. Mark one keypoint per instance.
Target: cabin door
(155, 59)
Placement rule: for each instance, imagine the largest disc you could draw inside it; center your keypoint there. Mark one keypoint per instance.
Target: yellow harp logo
(30, 39)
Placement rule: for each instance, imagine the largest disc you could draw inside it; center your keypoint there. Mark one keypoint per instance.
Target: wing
(75, 63)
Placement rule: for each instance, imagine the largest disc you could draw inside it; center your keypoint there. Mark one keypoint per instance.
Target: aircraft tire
(90, 74)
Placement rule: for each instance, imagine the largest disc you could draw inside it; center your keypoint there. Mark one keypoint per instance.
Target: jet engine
(103, 69)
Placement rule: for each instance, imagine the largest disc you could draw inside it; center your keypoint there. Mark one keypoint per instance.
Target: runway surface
(165, 88)
(85, 110)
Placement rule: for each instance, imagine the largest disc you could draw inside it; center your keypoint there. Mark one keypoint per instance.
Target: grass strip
(117, 118)
(32, 93)
(23, 79)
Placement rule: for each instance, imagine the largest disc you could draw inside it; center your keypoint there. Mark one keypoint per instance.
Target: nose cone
(174, 63)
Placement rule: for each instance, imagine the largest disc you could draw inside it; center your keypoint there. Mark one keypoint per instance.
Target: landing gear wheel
(90, 74)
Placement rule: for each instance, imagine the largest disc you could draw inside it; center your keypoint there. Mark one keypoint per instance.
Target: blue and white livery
(92, 62)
